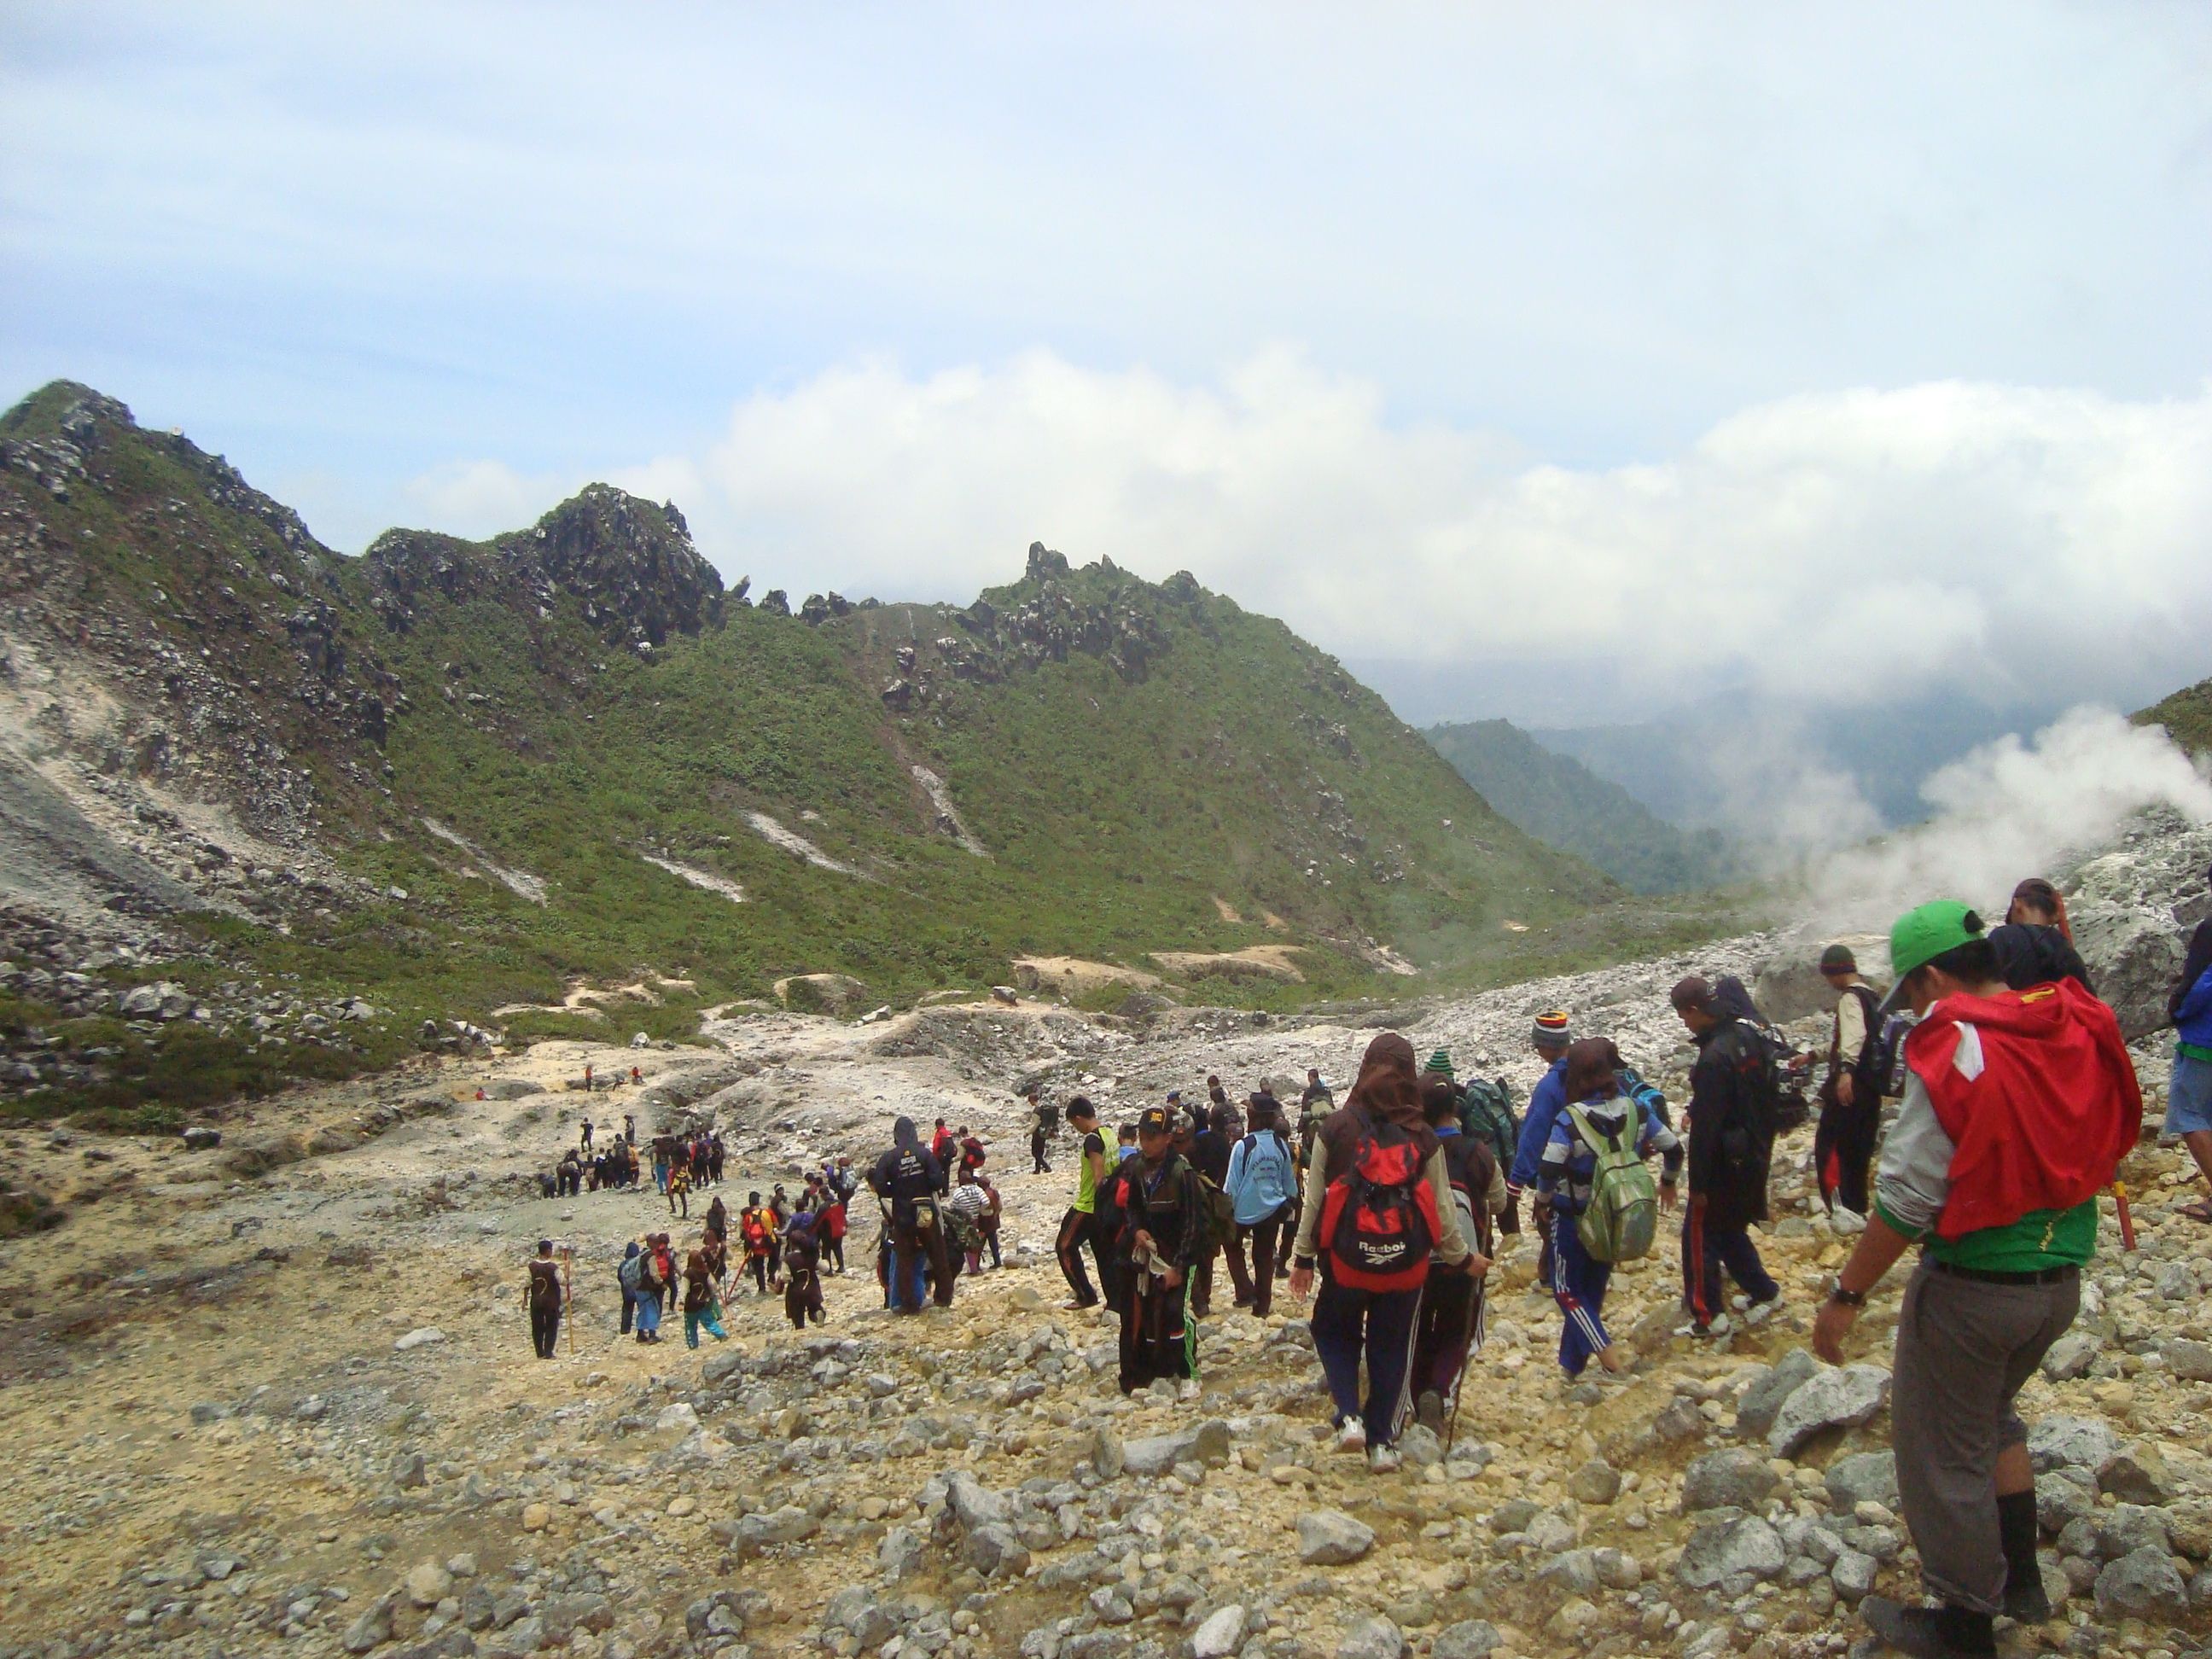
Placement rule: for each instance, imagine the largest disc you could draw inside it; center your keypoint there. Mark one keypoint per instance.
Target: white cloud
(478, 499)
(1841, 547)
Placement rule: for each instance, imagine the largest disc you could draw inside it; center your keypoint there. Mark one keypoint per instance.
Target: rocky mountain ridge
(448, 777)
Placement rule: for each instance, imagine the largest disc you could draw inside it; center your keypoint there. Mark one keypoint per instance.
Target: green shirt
(2038, 1241)
(1086, 1183)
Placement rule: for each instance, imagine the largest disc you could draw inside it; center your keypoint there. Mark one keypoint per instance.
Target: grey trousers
(1964, 1348)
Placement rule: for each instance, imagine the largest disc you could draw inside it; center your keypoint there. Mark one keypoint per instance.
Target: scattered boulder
(1863, 1478)
(423, 1336)
(200, 1138)
(1221, 1634)
(2071, 1442)
(1330, 1537)
(1731, 1478)
(1722, 1553)
(1206, 1443)
(1833, 1398)
(1372, 1638)
(2144, 1583)
(1762, 1402)
(1472, 1638)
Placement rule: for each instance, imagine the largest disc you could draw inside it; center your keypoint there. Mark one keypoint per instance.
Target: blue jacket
(1544, 1104)
(1263, 1175)
(2192, 1018)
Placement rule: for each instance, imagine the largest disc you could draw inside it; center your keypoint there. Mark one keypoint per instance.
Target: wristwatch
(1836, 1293)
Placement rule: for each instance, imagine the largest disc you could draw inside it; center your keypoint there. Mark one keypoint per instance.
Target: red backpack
(1379, 1218)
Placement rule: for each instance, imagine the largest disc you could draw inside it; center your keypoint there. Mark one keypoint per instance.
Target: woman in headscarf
(1380, 1132)
(2035, 945)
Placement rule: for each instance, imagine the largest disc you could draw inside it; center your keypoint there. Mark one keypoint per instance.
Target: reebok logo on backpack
(1379, 1216)
(1621, 1219)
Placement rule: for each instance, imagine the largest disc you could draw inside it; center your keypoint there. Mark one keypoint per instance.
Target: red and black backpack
(1379, 1219)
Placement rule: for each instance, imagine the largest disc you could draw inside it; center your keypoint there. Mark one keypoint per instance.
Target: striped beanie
(1440, 1062)
(1552, 1030)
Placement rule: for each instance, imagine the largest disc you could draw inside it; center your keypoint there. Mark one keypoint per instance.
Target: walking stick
(2127, 1215)
(1467, 1344)
(569, 1292)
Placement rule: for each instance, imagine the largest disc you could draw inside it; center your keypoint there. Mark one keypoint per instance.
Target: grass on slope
(2187, 715)
(1562, 802)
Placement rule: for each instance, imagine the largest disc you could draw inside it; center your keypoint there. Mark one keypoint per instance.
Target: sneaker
(1429, 1411)
(1762, 1311)
(1382, 1460)
(1352, 1435)
(1718, 1327)
(1189, 1391)
(1076, 1305)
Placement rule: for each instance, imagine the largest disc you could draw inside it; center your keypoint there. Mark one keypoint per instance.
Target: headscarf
(1593, 1070)
(1388, 1088)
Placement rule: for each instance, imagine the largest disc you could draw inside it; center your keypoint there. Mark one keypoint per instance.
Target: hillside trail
(279, 1395)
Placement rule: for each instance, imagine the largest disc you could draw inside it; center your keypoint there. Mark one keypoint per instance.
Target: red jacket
(2038, 1095)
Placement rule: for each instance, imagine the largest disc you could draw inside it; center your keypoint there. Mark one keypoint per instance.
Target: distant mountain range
(1560, 800)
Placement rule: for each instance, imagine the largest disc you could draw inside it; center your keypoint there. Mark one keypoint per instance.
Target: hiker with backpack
(1043, 1120)
(1377, 1202)
(756, 1228)
(1162, 1230)
(1450, 1323)
(2189, 1090)
(908, 1180)
(1734, 1091)
(1210, 1150)
(1599, 1193)
(644, 1288)
(1261, 1181)
(543, 1299)
(1550, 1036)
(626, 1277)
(1851, 1095)
(2017, 1108)
(703, 1302)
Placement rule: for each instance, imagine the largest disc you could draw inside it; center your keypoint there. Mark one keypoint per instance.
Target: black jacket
(906, 1175)
(2029, 954)
(1167, 1203)
(1730, 1140)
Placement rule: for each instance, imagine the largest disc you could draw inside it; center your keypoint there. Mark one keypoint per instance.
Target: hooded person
(2035, 944)
(2018, 1107)
(1450, 1325)
(1731, 1147)
(1377, 1204)
(802, 1269)
(626, 1279)
(907, 1180)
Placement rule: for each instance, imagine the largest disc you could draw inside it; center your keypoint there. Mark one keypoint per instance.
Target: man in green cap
(2018, 1108)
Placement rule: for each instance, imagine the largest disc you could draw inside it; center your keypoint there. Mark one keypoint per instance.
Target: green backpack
(1621, 1219)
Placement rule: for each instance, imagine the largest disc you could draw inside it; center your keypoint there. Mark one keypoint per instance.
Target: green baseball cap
(1923, 933)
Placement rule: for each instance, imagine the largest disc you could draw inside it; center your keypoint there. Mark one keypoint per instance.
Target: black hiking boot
(2025, 1599)
(1944, 1632)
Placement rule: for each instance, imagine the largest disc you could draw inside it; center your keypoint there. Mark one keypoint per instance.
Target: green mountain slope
(457, 777)
(2187, 715)
(1562, 802)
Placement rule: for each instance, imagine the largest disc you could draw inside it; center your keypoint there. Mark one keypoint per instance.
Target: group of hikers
(2016, 1101)
(681, 1164)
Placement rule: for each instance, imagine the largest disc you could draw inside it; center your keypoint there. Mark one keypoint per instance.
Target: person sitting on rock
(2018, 1108)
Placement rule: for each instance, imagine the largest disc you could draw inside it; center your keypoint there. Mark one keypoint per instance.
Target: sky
(1569, 364)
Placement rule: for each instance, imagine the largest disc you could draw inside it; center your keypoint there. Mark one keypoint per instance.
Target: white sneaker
(1189, 1391)
(1381, 1460)
(1352, 1435)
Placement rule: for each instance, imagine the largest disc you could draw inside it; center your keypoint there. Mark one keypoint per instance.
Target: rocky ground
(278, 1393)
